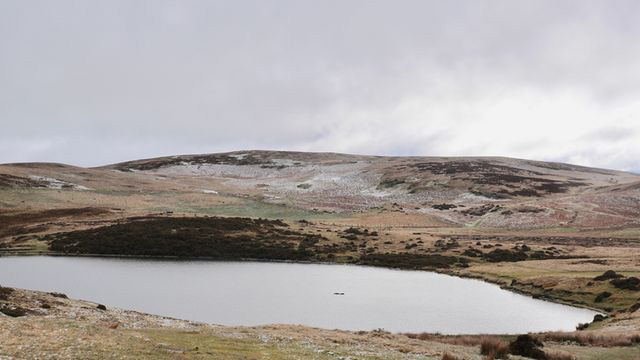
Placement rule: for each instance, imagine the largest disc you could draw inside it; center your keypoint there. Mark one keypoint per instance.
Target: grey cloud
(90, 82)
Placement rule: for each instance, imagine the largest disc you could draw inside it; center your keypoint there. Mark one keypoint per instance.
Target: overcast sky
(96, 82)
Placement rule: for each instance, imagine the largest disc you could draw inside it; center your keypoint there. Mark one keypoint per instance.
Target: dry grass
(558, 356)
(494, 348)
(447, 356)
(462, 340)
(593, 339)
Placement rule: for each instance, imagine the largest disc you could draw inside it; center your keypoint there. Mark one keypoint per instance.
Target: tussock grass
(593, 339)
(494, 348)
(558, 356)
(448, 356)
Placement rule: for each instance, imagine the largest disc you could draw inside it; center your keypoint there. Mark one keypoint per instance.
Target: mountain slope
(471, 191)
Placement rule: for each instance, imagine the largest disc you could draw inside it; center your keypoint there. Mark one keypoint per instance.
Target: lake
(256, 293)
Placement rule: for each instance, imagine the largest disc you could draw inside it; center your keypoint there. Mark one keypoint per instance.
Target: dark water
(252, 293)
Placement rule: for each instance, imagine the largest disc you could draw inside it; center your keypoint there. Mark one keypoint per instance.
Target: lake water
(254, 293)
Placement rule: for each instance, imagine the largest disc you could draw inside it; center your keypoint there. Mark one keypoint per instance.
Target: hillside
(434, 191)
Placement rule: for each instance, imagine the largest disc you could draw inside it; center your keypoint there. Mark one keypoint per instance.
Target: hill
(435, 191)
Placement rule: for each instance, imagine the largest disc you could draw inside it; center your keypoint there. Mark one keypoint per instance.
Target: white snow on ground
(53, 183)
(238, 156)
(467, 197)
(341, 186)
(209, 191)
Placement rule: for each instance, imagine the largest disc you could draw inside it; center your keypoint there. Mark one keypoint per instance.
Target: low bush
(447, 356)
(633, 308)
(494, 347)
(607, 275)
(213, 237)
(603, 295)
(630, 283)
(59, 295)
(5, 292)
(527, 345)
(504, 255)
(13, 311)
(412, 261)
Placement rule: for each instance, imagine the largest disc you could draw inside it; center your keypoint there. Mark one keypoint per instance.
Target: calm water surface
(254, 293)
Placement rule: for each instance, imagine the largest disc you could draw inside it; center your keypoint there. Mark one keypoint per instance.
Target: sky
(95, 82)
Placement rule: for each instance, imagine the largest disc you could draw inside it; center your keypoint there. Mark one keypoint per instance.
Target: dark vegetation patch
(602, 296)
(489, 194)
(522, 192)
(465, 168)
(521, 253)
(599, 317)
(471, 252)
(443, 245)
(11, 181)
(633, 308)
(413, 261)
(444, 206)
(630, 283)
(504, 255)
(512, 181)
(481, 210)
(222, 159)
(363, 232)
(608, 275)
(213, 237)
(527, 345)
(59, 295)
(5, 292)
(585, 241)
(389, 183)
(529, 209)
(13, 311)
(567, 167)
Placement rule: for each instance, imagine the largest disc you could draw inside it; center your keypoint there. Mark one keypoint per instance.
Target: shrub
(631, 283)
(582, 326)
(14, 311)
(495, 348)
(607, 275)
(527, 345)
(503, 255)
(447, 356)
(603, 295)
(5, 292)
(633, 308)
(411, 261)
(58, 295)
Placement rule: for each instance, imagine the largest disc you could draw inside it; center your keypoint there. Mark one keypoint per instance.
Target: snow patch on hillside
(53, 183)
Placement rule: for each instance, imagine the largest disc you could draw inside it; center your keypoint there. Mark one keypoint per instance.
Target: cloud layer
(90, 82)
